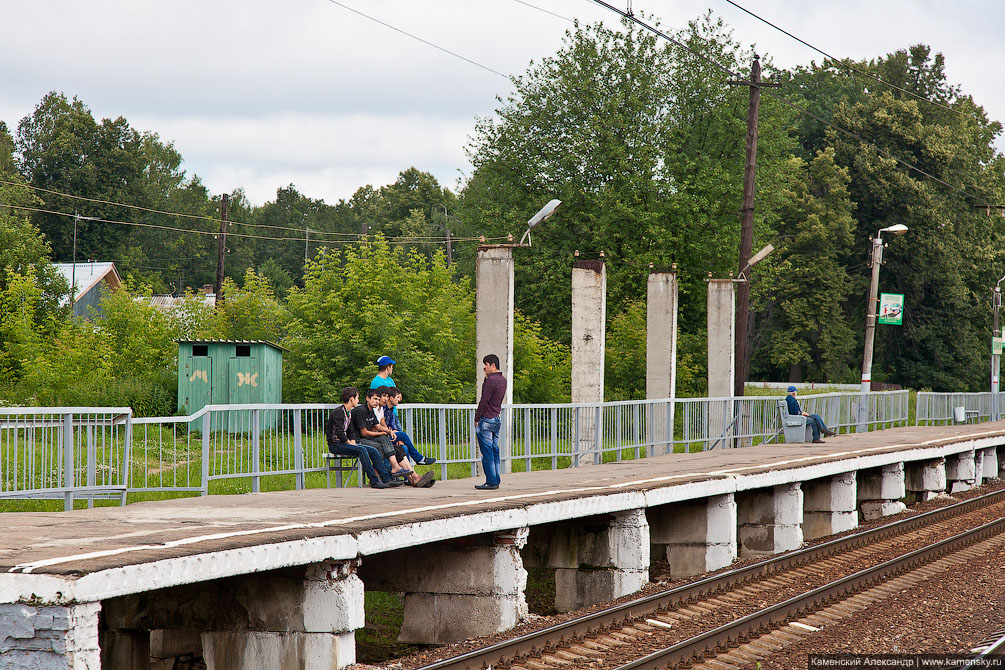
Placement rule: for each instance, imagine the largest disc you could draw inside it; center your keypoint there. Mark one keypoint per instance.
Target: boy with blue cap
(816, 423)
(385, 366)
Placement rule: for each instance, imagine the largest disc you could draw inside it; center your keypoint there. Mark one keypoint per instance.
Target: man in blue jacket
(816, 423)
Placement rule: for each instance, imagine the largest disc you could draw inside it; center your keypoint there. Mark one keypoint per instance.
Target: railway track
(746, 613)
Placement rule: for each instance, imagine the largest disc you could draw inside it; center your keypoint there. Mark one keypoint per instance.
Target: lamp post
(542, 215)
(996, 305)
(73, 274)
(870, 317)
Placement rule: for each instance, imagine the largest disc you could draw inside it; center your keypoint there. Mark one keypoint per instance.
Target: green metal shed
(228, 372)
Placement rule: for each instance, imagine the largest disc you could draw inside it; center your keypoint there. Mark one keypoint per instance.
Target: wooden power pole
(747, 226)
(222, 238)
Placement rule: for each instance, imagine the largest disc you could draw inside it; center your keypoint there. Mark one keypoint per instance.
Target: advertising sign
(996, 346)
(891, 309)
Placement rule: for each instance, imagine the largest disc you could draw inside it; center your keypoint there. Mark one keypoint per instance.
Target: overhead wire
(857, 71)
(542, 9)
(359, 238)
(789, 103)
(419, 39)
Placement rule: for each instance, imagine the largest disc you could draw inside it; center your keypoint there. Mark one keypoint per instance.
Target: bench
(340, 463)
(795, 428)
(963, 415)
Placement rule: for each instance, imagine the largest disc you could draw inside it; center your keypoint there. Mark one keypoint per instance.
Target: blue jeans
(487, 432)
(371, 460)
(413, 453)
(816, 424)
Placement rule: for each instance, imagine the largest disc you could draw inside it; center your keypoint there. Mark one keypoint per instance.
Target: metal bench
(340, 463)
(796, 428)
(963, 415)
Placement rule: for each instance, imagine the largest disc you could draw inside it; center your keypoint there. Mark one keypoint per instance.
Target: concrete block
(831, 494)
(989, 463)
(877, 509)
(699, 536)
(449, 568)
(167, 643)
(580, 588)
(884, 483)
(258, 650)
(440, 618)
(822, 524)
(978, 467)
(927, 476)
(961, 467)
(766, 539)
(770, 520)
(694, 559)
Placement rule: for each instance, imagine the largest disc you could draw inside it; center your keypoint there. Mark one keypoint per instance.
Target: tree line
(644, 144)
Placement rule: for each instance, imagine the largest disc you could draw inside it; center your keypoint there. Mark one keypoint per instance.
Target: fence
(941, 409)
(231, 448)
(64, 452)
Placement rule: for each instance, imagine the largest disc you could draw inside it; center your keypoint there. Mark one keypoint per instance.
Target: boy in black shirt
(375, 434)
(341, 443)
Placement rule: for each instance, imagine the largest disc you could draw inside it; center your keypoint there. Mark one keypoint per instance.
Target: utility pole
(217, 288)
(307, 238)
(742, 369)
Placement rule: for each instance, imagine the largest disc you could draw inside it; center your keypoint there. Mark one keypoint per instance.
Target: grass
(377, 641)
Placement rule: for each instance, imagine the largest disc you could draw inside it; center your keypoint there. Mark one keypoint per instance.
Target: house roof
(213, 341)
(88, 275)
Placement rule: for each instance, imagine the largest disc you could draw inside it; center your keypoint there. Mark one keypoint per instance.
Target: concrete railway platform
(277, 579)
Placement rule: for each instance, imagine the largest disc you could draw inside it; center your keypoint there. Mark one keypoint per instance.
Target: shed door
(245, 380)
(198, 384)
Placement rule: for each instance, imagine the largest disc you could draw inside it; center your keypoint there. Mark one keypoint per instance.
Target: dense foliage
(642, 141)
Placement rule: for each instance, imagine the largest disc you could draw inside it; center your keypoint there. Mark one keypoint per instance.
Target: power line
(417, 38)
(396, 240)
(546, 11)
(799, 108)
(210, 219)
(849, 67)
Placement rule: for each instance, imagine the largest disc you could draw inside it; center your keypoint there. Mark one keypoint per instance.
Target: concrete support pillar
(990, 463)
(960, 472)
(51, 637)
(881, 490)
(661, 355)
(494, 307)
(829, 505)
(457, 590)
(1001, 462)
(721, 358)
(304, 622)
(698, 535)
(770, 520)
(978, 467)
(925, 479)
(589, 322)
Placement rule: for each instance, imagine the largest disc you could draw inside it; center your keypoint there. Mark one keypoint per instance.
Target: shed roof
(214, 341)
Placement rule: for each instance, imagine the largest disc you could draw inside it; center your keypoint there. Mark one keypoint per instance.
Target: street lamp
(870, 318)
(542, 215)
(996, 305)
(73, 273)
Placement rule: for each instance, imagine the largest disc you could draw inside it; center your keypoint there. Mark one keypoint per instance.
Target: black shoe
(818, 441)
(425, 481)
(394, 482)
(829, 433)
(427, 461)
(486, 487)
(401, 473)
(379, 485)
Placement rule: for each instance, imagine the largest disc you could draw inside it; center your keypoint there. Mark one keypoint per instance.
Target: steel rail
(708, 645)
(509, 651)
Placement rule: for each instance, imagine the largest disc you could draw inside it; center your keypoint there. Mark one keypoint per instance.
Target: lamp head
(544, 213)
(896, 229)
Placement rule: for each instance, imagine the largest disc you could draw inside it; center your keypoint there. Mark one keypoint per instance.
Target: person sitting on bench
(817, 424)
(375, 434)
(341, 444)
(392, 397)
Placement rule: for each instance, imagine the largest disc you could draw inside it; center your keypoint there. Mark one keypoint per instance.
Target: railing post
(527, 438)
(92, 456)
(68, 461)
(127, 468)
(554, 438)
(206, 427)
(298, 450)
(575, 436)
(598, 436)
(256, 466)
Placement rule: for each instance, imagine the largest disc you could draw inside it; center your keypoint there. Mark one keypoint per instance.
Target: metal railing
(65, 452)
(233, 448)
(942, 409)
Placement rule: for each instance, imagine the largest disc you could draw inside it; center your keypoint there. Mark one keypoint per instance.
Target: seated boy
(398, 435)
(376, 434)
(341, 442)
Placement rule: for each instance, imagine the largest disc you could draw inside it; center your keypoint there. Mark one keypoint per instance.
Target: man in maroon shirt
(488, 423)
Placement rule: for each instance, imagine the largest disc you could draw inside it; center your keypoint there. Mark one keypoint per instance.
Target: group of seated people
(370, 432)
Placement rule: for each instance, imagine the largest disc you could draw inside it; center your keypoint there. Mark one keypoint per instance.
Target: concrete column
(881, 490)
(770, 520)
(307, 621)
(721, 357)
(49, 637)
(990, 463)
(698, 535)
(589, 322)
(455, 590)
(829, 505)
(494, 306)
(661, 355)
(925, 480)
(960, 472)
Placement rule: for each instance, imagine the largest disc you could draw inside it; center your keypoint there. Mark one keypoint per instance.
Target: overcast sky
(260, 94)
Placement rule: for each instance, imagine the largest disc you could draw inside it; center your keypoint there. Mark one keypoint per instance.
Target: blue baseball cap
(790, 389)
(385, 360)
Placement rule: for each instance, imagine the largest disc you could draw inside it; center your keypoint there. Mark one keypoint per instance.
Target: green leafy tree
(251, 311)
(542, 368)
